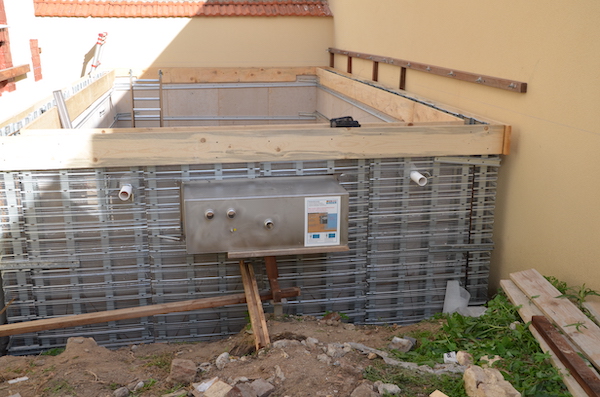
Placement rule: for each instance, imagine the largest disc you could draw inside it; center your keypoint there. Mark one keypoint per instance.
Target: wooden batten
(90, 148)
(76, 104)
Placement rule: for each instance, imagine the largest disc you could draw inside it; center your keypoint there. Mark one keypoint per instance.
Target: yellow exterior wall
(548, 204)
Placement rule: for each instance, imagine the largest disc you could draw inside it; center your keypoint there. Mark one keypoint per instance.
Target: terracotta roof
(141, 9)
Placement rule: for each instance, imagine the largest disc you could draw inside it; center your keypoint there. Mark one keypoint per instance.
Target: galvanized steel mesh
(70, 246)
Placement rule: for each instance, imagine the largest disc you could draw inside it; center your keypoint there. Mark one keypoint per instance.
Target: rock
(349, 327)
(240, 379)
(204, 367)
(336, 350)
(388, 388)
(514, 324)
(222, 360)
(402, 344)
(364, 390)
(372, 356)
(311, 342)
(121, 391)
(262, 387)
(182, 371)
(178, 393)
(473, 377)
(324, 358)
(487, 382)
(279, 373)
(280, 344)
(241, 391)
(464, 358)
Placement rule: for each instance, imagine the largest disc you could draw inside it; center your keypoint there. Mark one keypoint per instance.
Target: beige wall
(67, 46)
(548, 204)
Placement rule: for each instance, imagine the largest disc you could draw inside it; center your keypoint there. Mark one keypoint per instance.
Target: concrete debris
(364, 390)
(182, 371)
(262, 387)
(387, 388)
(487, 382)
(121, 392)
(218, 389)
(222, 360)
(464, 358)
(401, 344)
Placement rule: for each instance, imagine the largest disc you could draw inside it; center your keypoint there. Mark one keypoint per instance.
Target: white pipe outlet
(126, 192)
(418, 178)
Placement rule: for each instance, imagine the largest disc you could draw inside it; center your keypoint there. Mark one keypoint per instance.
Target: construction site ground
(86, 369)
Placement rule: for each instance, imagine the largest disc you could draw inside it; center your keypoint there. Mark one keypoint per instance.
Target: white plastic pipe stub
(126, 192)
(418, 178)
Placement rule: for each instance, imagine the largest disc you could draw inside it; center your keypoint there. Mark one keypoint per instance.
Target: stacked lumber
(560, 327)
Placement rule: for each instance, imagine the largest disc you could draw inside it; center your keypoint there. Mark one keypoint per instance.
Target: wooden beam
(497, 82)
(273, 275)
(381, 99)
(133, 312)
(90, 148)
(585, 376)
(582, 331)
(76, 104)
(255, 309)
(13, 72)
(223, 75)
(527, 310)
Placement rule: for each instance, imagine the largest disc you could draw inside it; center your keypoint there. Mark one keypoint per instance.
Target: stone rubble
(479, 382)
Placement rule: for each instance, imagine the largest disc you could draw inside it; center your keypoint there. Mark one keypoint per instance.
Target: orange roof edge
(163, 9)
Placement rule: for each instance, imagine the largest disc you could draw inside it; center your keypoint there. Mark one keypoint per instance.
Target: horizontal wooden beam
(174, 75)
(91, 148)
(134, 312)
(497, 82)
(76, 104)
(385, 101)
(10, 73)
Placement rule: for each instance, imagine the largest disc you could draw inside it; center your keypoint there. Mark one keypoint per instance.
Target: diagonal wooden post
(255, 309)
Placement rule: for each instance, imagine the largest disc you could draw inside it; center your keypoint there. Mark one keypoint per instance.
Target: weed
(53, 352)
(578, 325)
(413, 385)
(524, 365)
(147, 386)
(578, 295)
(161, 361)
(60, 387)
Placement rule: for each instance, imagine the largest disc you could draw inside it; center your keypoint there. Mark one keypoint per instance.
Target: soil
(86, 369)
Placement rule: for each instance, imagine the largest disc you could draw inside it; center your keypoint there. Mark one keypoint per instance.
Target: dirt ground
(86, 369)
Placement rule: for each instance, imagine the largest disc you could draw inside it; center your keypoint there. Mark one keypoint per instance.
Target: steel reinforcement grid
(71, 246)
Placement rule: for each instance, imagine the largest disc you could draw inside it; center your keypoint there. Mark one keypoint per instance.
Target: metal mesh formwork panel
(71, 246)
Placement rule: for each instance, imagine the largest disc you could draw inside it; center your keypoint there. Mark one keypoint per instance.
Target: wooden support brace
(584, 375)
(255, 309)
(273, 274)
(133, 312)
(6, 74)
(375, 76)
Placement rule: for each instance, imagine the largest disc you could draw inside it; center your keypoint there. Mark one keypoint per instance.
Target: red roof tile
(166, 8)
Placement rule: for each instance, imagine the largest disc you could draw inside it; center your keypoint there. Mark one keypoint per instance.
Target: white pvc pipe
(125, 192)
(418, 178)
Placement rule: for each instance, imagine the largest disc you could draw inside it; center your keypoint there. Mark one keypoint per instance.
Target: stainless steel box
(265, 216)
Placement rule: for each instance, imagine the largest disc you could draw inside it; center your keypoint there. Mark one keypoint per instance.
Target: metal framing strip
(505, 84)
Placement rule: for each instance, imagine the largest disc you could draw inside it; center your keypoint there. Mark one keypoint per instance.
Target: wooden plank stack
(535, 296)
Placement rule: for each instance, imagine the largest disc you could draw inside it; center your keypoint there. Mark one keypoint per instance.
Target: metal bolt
(451, 73)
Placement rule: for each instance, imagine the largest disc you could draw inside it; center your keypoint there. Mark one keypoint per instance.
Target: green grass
(524, 364)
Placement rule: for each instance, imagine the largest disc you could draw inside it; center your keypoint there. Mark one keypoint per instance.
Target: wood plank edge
(518, 298)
